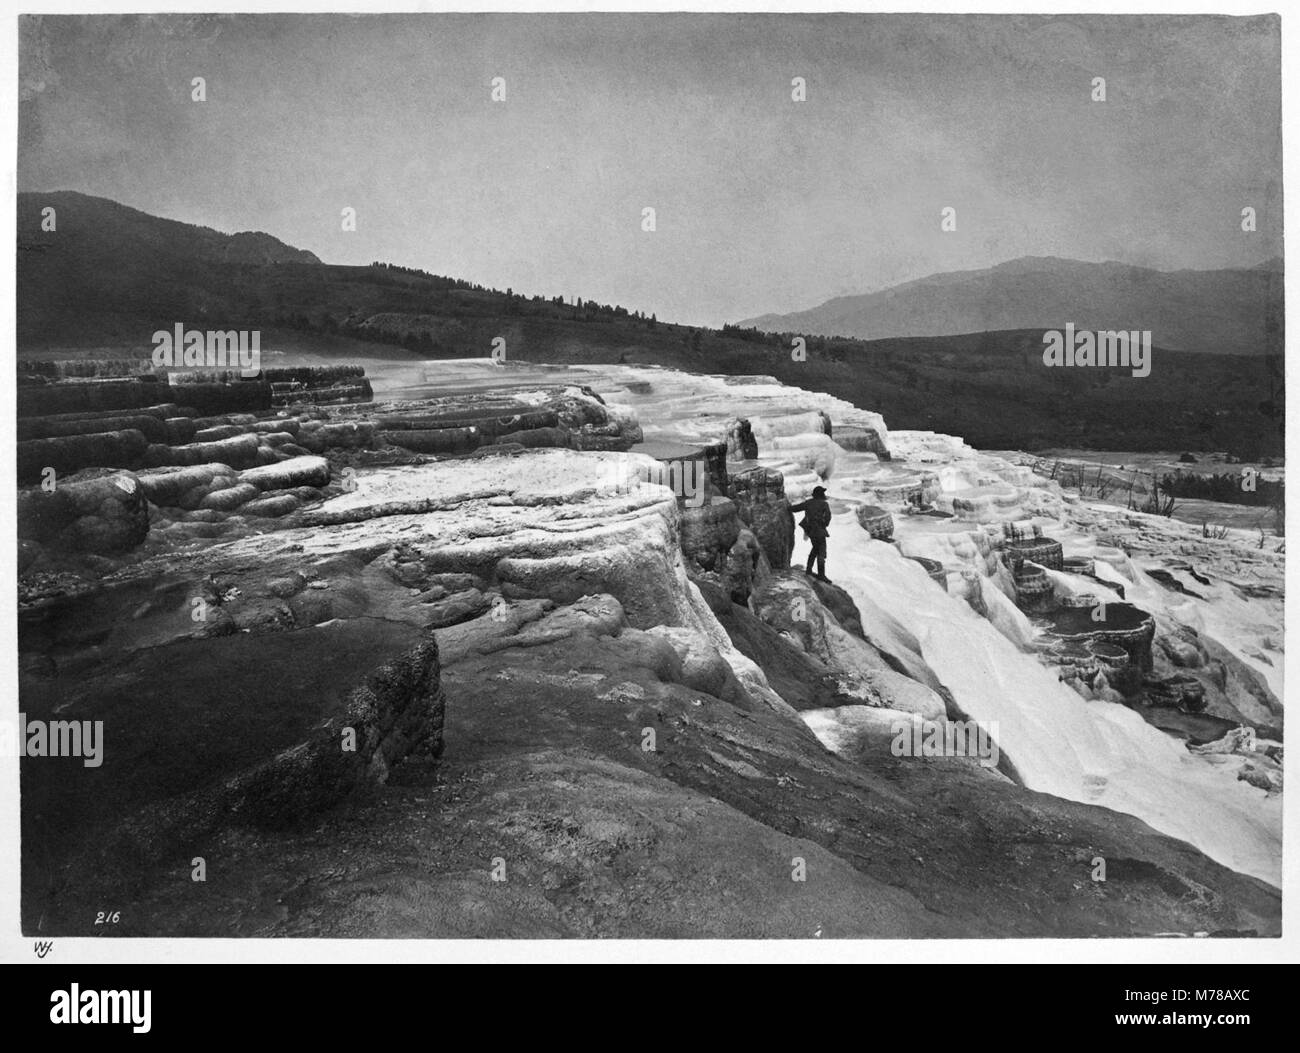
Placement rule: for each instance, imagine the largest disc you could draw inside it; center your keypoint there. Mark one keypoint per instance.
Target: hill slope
(1225, 311)
(108, 270)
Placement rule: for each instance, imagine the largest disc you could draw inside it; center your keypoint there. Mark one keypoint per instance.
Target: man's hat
(819, 491)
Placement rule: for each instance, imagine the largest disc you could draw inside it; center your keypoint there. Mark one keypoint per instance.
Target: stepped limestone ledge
(554, 525)
(793, 429)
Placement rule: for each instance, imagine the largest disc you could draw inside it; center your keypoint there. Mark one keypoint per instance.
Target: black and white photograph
(732, 478)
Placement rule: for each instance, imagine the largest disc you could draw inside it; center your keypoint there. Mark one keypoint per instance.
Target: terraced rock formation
(561, 669)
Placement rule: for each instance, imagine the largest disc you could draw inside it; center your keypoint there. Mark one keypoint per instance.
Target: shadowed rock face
(759, 497)
(730, 540)
(394, 715)
(719, 548)
(821, 621)
(207, 734)
(741, 444)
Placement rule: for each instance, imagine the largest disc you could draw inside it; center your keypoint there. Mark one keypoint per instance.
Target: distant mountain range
(1225, 311)
(107, 269)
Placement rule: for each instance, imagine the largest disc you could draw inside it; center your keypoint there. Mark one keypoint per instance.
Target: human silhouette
(816, 527)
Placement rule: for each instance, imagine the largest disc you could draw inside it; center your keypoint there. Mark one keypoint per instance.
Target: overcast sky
(762, 204)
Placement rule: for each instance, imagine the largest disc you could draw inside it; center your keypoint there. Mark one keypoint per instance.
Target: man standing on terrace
(816, 527)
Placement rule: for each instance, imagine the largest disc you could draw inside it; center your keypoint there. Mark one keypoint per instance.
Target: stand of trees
(1226, 486)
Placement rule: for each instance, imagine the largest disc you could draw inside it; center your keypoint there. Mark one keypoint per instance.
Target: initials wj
(43, 947)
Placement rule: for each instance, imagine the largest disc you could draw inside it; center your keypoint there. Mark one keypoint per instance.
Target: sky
(762, 204)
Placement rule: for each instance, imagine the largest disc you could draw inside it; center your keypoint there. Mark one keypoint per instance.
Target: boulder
(703, 668)
(1179, 645)
(600, 615)
(105, 514)
(792, 608)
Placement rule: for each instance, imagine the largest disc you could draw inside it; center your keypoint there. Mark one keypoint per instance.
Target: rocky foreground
(519, 652)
